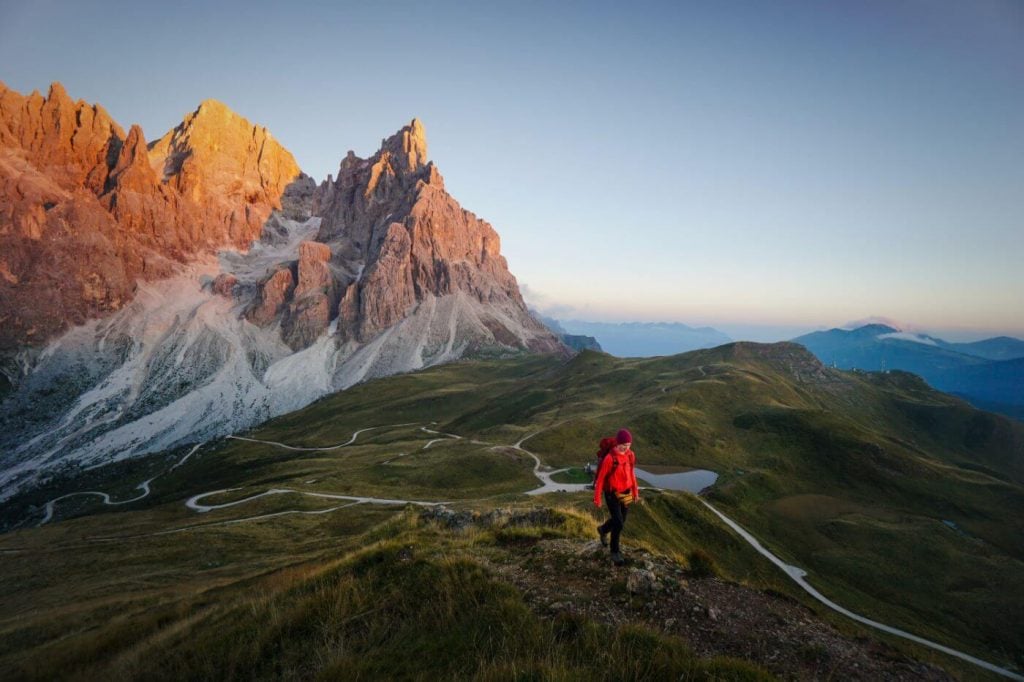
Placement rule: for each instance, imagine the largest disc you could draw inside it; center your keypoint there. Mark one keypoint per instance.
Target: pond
(692, 481)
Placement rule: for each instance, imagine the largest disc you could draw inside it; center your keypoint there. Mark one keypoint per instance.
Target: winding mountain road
(144, 487)
(105, 497)
(547, 484)
(194, 504)
(325, 448)
(799, 575)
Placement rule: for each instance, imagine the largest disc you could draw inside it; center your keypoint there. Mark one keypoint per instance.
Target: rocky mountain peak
(101, 209)
(57, 100)
(71, 142)
(210, 108)
(216, 152)
(369, 192)
(408, 146)
(57, 93)
(132, 169)
(409, 242)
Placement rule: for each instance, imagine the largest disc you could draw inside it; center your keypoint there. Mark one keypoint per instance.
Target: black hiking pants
(614, 525)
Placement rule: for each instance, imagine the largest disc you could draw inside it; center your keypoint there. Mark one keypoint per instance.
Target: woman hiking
(617, 483)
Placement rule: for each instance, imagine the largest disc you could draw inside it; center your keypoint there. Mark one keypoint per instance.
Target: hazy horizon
(771, 333)
(741, 165)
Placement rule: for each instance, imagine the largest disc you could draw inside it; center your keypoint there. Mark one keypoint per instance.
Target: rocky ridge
(566, 579)
(86, 210)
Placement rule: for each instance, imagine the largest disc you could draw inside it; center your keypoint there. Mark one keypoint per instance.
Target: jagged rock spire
(408, 146)
(412, 242)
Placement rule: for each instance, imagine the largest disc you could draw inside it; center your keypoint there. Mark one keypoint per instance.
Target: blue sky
(764, 166)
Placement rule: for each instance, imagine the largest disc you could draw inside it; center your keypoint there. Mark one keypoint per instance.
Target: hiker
(617, 483)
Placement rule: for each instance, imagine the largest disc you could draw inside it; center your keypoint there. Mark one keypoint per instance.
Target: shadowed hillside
(989, 373)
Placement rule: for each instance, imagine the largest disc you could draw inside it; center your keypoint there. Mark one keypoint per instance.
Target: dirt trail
(325, 448)
(542, 472)
(194, 504)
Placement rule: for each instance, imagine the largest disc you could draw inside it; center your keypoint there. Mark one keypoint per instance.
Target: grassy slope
(362, 593)
(849, 475)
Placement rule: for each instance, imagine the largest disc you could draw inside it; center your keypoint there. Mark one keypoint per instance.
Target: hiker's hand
(597, 503)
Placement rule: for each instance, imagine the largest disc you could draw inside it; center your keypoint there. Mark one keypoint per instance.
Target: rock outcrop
(224, 285)
(86, 210)
(273, 297)
(413, 242)
(314, 299)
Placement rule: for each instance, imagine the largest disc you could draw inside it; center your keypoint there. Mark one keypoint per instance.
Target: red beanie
(624, 436)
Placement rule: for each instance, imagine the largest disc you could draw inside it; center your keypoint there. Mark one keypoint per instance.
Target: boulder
(641, 581)
(224, 285)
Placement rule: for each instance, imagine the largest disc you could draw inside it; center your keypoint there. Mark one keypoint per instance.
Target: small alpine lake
(670, 478)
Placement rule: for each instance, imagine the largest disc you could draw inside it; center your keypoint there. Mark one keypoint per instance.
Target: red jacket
(618, 478)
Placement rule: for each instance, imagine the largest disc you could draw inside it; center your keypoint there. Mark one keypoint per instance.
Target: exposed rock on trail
(496, 518)
(570, 578)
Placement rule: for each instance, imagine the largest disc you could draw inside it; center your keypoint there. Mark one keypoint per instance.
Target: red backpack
(605, 449)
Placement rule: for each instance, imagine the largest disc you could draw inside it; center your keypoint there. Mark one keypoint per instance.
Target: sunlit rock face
(377, 272)
(234, 170)
(86, 210)
(391, 214)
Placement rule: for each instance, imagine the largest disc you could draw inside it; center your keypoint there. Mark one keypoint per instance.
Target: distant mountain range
(576, 342)
(645, 339)
(988, 373)
(997, 348)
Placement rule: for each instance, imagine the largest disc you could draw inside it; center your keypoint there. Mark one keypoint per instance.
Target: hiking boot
(617, 559)
(604, 536)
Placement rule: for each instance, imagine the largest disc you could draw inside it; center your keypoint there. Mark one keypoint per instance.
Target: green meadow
(903, 504)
